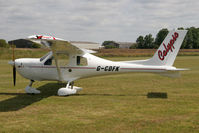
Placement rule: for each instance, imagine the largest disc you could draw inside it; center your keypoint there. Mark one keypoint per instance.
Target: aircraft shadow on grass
(162, 95)
(22, 100)
(157, 95)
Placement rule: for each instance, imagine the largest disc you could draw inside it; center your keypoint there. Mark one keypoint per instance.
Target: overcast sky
(94, 20)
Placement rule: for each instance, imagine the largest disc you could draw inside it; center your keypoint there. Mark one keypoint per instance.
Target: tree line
(20, 43)
(4, 44)
(191, 40)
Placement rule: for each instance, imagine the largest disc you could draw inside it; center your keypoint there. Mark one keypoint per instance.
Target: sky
(94, 20)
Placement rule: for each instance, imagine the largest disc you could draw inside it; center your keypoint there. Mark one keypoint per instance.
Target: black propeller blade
(14, 75)
(14, 68)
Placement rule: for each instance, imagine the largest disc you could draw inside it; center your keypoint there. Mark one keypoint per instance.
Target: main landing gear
(68, 90)
(31, 90)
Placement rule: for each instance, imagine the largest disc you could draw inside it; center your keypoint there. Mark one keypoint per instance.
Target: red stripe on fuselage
(141, 69)
(93, 68)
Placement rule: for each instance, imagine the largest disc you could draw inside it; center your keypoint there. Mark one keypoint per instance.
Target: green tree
(107, 43)
(195, 34)
(148, 41)
(3, 43)
(180, 28)
(134, 46)
(110, 44)
(140, 42)
(36, 45)
(188, 40)
(191, 39)
(160, 37)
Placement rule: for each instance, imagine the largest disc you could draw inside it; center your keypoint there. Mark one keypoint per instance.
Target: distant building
(125, 44)
(113, 44)
(110, 44)
(21, 43)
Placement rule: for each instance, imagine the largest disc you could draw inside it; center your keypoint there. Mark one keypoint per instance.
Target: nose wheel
(70, 89)
(30, 90)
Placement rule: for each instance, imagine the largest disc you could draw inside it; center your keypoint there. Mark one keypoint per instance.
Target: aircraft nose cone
(11, 63)
(18, 62)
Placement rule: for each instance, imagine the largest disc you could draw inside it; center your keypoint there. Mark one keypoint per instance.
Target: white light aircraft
(67, 63)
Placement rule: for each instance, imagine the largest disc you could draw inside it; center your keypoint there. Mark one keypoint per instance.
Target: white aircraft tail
(168, 50)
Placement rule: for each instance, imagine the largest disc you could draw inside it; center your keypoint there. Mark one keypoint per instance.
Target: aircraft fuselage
(34, 69)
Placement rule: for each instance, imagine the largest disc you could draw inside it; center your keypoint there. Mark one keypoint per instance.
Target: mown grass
(125, 103)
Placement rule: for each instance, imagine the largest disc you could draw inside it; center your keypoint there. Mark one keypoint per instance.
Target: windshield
(42, 58)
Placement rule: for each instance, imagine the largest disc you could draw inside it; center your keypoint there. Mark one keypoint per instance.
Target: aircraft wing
(62, 47)
(58, 47)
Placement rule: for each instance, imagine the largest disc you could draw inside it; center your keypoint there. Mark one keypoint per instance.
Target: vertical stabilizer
(168, 50)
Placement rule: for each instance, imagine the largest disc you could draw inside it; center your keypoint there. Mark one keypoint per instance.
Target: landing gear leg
(71, 84)
(69, 90)
(31, 90)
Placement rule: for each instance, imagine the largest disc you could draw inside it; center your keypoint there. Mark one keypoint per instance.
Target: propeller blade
(14, 68)
(14, 75)
(13, 53)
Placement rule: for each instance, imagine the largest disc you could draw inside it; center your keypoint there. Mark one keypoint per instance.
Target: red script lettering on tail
(169, 47)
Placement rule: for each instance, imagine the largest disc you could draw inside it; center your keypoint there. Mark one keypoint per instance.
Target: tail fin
(168, 50)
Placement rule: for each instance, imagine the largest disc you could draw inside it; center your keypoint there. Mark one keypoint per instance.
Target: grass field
(126, 103)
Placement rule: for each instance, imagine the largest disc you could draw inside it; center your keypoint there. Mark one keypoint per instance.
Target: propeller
(14, 68)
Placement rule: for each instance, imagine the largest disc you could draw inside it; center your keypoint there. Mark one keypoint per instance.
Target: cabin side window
(48, 62)
(81, 61)
(62, 60)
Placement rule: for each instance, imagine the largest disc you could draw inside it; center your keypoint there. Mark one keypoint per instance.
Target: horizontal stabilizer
(173, 73)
